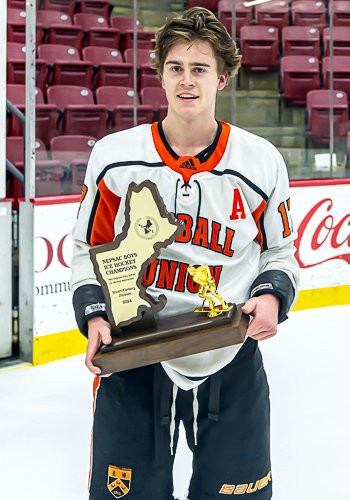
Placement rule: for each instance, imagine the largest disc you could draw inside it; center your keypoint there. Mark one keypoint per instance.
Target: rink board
(320, 210)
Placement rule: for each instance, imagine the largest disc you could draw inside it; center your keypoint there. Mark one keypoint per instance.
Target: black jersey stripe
(244, 179)
(263, 232)
(127, 164)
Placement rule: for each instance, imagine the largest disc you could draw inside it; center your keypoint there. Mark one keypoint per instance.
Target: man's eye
(176, 68)
(199, 70)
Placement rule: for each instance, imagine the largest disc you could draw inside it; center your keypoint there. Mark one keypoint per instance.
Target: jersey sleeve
(278, 267)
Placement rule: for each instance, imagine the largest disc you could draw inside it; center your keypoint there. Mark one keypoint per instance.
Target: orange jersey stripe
(257, 216)
(103, 224)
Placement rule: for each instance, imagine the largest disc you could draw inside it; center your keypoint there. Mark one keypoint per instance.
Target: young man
(237, 186)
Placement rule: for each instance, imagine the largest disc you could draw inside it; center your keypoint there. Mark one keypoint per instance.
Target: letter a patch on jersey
(238, 212)
(119, 481)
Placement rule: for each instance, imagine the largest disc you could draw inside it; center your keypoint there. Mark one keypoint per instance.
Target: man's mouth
(187, 97)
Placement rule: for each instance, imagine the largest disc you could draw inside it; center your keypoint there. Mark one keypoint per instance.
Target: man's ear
(222, 81)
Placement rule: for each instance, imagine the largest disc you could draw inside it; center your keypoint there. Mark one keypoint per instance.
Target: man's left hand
(264, 310)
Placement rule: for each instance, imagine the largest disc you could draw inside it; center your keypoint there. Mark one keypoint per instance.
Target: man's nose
(187, 79)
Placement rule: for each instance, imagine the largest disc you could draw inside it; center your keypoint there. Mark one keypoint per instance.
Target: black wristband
(277, 283)
(88, 302)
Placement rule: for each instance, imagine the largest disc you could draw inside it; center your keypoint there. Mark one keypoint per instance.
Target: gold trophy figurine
(207, 291)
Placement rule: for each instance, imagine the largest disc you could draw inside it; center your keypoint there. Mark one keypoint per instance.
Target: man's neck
(187, 138)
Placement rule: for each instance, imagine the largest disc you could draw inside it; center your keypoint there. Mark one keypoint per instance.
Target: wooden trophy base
(148, 342)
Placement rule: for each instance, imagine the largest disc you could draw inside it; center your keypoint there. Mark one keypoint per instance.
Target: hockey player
(230, 189)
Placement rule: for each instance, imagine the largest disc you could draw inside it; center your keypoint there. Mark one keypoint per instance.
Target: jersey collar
(205, 161)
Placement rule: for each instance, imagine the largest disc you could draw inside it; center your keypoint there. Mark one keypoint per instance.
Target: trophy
(139, 336)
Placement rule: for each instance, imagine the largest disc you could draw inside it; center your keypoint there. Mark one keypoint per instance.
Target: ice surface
(46, 415)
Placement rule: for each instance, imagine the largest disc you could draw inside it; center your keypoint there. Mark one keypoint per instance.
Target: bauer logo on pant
(119, 481)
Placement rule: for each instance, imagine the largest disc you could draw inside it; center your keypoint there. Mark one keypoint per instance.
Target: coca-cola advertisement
(321, 215)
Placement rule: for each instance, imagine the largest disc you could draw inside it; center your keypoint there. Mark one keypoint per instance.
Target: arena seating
(341, 41)
(78, 112)
(65, 66)
(341, 73)
(124, 24)
(147, 77)
(97, 30)
(48, 173)
(309, 13)
(208, 4)
(46, 114)
(62, 5)
(341, 13)
(155, 96)
(318, 103)
(99, 7)
(84, 70)
(119, 102)
(244, 15)
(299, 75)
(259, 45)
(73, 152)
(59, 29)
(301, 41)
(274, 13)
(109, 67)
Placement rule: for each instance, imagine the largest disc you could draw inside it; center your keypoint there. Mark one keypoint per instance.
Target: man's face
(190, 79)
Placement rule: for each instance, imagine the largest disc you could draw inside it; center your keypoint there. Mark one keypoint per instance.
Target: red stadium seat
(59, 29)
(144, 39)
(299, 75)
(16, 58)
(97, 30)
(341, 41)
(259, 46)
(62, 5)
(147, 75)
(207, 4)
(243, 15)
(73, 151)
(16, 21)
(120, 103)
(65, 66)
(341, 13)
(98, 7)
(122, 24)
(318, 115)
(16, 4)
(341, 73)
(66, 148)
(348, 149)
(46, 114)
(155, 96)
(301, 41)
(15, 148)
(48, 173)
(110, 69)
(274, 13)
(79, 114)
(309, 13)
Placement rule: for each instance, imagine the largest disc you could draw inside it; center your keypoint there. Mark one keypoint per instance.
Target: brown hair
(192, 25)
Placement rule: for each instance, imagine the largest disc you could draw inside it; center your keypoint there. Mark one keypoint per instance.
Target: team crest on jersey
(119, 481)
(146, 227)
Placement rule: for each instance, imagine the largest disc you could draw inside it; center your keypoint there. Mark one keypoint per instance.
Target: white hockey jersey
(233, 200)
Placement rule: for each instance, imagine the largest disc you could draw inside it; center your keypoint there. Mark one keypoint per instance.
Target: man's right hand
(99, 331)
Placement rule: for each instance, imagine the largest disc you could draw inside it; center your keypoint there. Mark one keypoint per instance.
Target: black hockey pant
(136, 422)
